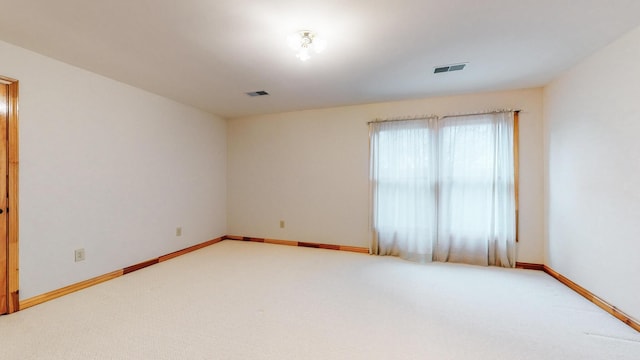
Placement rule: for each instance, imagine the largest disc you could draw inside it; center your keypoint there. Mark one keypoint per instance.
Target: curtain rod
(418, 117)
(405, 118)
(481, 113)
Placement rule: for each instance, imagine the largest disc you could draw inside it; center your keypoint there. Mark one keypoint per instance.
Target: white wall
(592, 122)
(109, 168)
(310, 168)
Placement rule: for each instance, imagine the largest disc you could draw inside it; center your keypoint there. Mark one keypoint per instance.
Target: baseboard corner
(614, 311)
(42, 298)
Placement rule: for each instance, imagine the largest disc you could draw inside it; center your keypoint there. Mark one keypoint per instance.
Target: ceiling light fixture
(304, 42)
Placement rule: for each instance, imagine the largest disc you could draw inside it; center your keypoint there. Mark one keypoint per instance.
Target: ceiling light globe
(294, 41)
(319, 44)
(303, 54)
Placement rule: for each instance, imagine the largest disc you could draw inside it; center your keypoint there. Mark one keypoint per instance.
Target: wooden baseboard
(190, 249)
(584, 292)
(357, 249)
(529, 266)
(24, 304)
(635, 324)
(281, 242)
(362, 250)
(138, 266)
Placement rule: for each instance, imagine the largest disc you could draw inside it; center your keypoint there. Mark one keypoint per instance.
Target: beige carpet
(239, 300)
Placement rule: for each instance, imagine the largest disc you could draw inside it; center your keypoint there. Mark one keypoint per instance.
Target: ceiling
(209, 53)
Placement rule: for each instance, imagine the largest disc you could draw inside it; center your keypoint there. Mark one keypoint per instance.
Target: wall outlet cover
(79, 255)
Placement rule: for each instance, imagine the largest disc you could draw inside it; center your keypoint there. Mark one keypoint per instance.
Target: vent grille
(257, 93)
(449, 68)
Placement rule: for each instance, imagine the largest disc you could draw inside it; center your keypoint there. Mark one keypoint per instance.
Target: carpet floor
(242, 300)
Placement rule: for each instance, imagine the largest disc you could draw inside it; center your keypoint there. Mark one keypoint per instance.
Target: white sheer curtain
(476, 207)
(403, 181)
(444, 189)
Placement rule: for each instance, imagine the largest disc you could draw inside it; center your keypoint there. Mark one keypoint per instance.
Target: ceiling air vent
(449, 68)
(257, 93)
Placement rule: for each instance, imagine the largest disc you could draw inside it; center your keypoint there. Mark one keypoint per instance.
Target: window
(444, 189)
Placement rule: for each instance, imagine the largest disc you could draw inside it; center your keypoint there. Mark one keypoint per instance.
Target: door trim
(12, 188)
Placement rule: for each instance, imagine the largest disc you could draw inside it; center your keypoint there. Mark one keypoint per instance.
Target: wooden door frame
(13, 294)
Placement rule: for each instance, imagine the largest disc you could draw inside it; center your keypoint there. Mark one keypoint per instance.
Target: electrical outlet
(79, 253)
(281, 224)
(179, 231)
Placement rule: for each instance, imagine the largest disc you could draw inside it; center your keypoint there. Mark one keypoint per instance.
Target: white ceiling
(208, 53)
